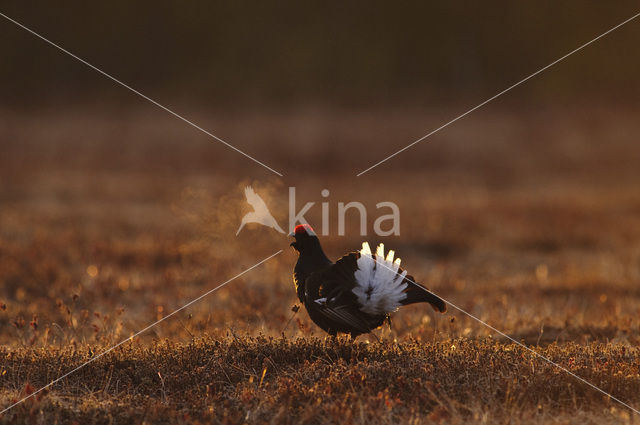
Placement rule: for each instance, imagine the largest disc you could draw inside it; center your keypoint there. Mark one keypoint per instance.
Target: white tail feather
(380, 288)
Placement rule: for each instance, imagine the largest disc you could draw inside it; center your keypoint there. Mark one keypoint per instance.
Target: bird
(357, 293)
(260, 213)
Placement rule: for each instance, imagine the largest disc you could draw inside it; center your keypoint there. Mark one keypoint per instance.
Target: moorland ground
(112, 218)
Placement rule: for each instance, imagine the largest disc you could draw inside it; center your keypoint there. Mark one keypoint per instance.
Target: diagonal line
(500, 94)
(138, 333)
(109, 76)
(548, 360)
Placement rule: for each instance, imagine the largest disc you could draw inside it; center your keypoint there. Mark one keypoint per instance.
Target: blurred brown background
(307, 86)
(223, 53)
(113, 213)
(106, 196)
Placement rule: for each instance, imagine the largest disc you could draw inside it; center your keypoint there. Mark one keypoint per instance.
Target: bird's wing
(256, 201)
(349, 315)
(331, 290)
(341, 274)
(336, 277)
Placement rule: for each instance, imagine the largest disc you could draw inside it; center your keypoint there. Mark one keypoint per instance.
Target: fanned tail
(382, 286)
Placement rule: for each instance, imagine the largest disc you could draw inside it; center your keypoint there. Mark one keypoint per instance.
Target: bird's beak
(291, 234)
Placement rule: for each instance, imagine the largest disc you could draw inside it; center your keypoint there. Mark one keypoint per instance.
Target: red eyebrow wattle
(303, 228)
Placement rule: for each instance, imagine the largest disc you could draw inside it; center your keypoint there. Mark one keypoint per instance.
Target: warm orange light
(92, 271)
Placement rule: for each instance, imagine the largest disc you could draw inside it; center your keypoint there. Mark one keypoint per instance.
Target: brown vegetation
(528, 222)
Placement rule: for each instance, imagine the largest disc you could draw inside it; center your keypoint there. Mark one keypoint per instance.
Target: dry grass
(533, 228)
(308, 380)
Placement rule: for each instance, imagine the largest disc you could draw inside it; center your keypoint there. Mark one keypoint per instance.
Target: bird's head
(305, 238)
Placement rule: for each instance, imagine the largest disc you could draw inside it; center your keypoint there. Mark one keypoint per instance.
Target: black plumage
(327, 289)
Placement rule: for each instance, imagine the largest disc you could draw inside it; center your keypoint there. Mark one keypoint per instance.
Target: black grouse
(355, 294)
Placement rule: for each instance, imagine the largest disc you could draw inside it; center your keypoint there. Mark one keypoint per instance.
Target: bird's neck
(311, 259)
(314, 251)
